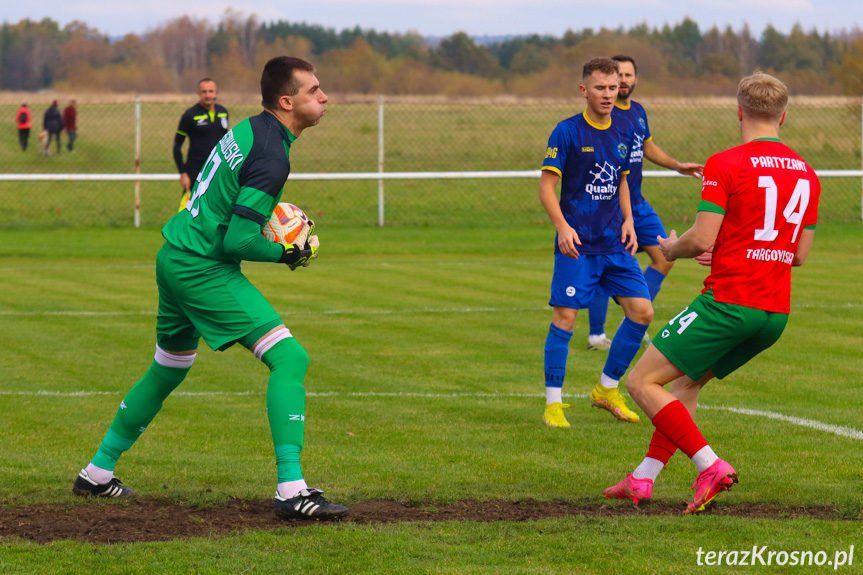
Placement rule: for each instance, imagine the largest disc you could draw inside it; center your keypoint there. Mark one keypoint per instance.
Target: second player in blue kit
(647, 223)
(590, 155)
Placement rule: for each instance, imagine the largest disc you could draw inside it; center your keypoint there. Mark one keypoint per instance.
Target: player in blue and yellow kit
(647, 224)
(596, 240)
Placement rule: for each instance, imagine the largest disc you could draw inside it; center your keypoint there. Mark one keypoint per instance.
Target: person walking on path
(24, 119)
(53, 124)
(70, 122)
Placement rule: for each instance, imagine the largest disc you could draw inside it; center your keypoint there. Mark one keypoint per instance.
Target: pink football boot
(638, 490)
(711, 482)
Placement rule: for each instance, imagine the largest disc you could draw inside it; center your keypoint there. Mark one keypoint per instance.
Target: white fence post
(137, 161)
(380, 160)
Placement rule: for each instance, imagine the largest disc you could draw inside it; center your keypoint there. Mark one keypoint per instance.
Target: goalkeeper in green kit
(203, 292)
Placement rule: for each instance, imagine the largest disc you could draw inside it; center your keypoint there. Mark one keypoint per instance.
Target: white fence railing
(379, 176)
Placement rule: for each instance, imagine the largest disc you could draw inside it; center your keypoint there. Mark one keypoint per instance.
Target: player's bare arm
(659, 157)
(567, 238)
(803, 246)
(627, 230)
(706, 259)
(697, 239)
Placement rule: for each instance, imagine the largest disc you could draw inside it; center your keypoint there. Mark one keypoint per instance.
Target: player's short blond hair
(762, 96)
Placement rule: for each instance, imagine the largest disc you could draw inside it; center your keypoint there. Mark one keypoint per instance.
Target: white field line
(811, 423)
(542, 266)
(342, 176)
(477, 309)
(799, 421)
(453, 395)
(338, 312)
(81, 313)
(262, 265)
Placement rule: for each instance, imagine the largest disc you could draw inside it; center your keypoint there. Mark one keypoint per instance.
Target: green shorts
(200, 297)
(710, 335)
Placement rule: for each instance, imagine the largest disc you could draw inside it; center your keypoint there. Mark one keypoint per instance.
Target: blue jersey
(636, 117)
(591, 161)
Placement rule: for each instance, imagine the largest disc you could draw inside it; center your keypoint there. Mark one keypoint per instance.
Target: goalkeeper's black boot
(86, 487)
(308, 504)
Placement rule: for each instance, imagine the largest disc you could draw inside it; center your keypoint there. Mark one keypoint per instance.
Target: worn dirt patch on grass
(146, 519)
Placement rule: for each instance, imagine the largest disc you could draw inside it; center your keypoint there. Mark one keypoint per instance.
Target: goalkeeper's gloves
(304, 234)
(296, 256)
(314, 244)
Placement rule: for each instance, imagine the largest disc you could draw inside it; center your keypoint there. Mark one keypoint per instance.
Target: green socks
(286, 404)
(136, 411)
(286, 408)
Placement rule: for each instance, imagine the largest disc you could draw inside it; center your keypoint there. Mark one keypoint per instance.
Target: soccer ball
(287, 224)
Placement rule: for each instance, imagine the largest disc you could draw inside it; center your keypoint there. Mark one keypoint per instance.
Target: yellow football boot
(554, 415)
(611, 401)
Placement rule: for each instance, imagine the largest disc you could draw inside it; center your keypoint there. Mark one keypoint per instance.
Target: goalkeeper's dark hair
(278, 79)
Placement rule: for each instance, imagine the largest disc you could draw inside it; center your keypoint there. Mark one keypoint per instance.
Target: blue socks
(624, 346)
(654, 281)
(597, 311)
(556, 351)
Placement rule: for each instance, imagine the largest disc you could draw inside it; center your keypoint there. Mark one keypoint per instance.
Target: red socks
(675, 423)
(661, 447)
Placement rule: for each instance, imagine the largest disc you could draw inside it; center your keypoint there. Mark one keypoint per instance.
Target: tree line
(673, 60)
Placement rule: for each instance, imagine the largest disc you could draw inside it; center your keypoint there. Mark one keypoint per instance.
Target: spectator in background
(70, 117)
(53, 124)
(23, 118)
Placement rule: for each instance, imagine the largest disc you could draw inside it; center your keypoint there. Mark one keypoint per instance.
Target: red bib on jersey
(769, 194)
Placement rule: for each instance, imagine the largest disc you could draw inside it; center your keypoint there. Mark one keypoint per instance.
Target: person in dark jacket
(70, 121)
(204, 124)
(23, 118)
(53, 123)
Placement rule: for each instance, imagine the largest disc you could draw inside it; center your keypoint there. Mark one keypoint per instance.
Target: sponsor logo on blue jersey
(604, 189)
(637, 154)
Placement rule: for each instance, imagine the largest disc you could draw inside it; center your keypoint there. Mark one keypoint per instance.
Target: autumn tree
(182, 45)
(460, 53)
(28, 54)
(174, 56)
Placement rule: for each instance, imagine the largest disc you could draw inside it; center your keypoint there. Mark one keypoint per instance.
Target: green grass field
(425, 387)
(419, 136)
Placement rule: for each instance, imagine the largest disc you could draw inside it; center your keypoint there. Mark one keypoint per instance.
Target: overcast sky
(445, 17)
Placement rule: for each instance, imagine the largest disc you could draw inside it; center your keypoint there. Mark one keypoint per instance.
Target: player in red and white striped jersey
(759, 206)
